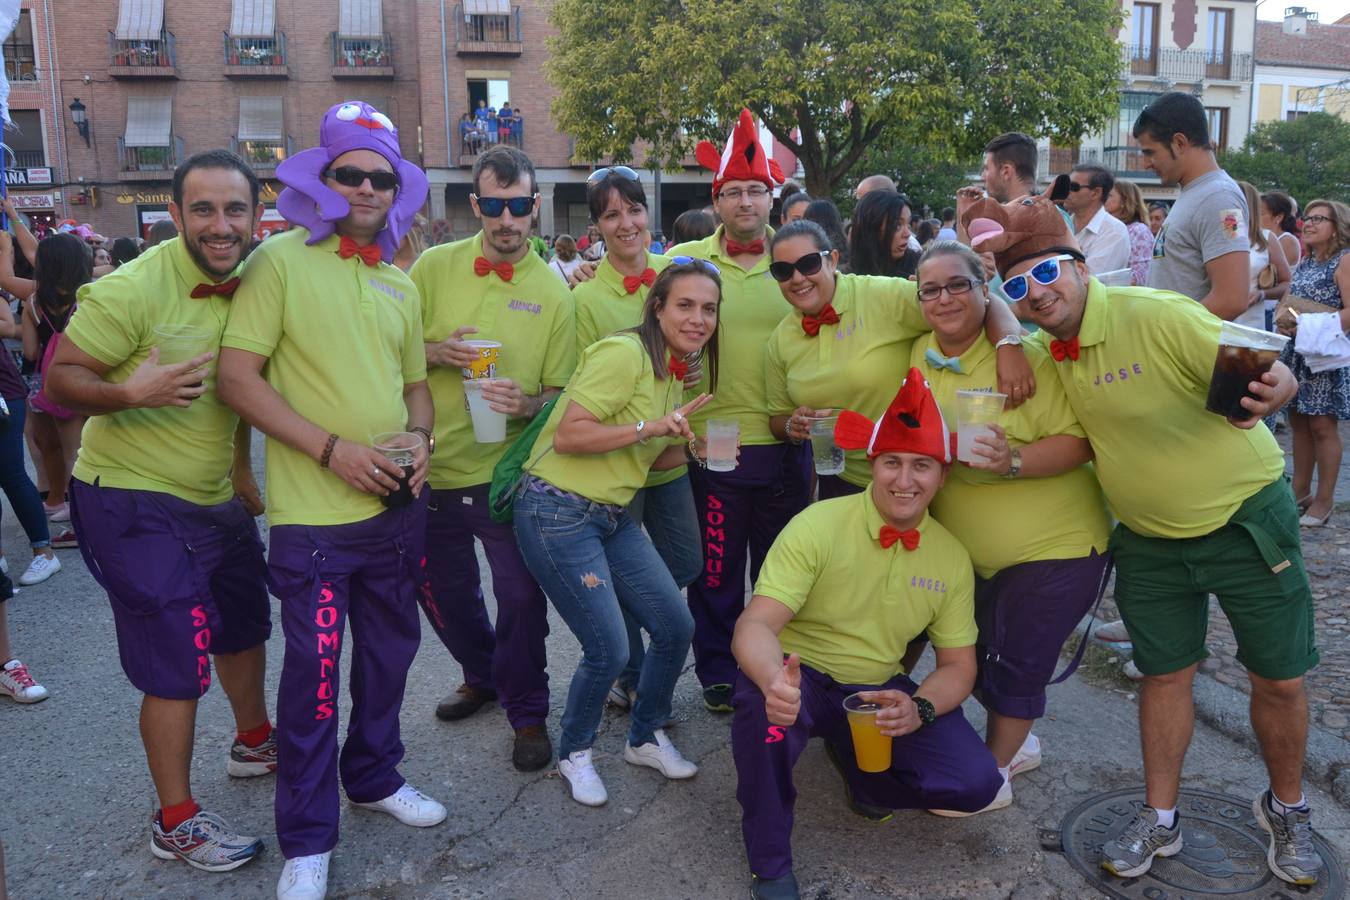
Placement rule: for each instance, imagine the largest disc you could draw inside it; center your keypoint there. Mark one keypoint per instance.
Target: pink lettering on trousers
(714, 543)
(428, 601)
(325, 617)
(201, 639)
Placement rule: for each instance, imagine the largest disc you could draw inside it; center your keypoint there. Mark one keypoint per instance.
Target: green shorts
(1254, 565)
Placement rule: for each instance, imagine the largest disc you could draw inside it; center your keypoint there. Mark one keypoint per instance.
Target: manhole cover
(1224, 854)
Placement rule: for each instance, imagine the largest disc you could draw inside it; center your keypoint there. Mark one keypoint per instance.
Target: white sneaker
(1001, 799)
(18, 685)
(1028, 757)
(661, 756)
(587, 788)
(1112, 631)
(40, 569)
(304, 878)
(410, 806)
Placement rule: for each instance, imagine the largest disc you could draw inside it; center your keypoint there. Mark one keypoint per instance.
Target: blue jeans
(667, 512)
(14, 480)
(594, 563)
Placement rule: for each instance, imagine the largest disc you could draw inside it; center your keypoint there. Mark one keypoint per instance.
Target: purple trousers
(944, 765)
(739, 511)
(511, 659)
(370, 573)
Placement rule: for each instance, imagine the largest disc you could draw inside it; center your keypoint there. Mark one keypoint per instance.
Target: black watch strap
(927, 714)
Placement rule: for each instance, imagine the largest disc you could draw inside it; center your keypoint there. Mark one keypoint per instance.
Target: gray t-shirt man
(1208, 221)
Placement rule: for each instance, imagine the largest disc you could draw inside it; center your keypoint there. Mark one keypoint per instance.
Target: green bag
(511, 467)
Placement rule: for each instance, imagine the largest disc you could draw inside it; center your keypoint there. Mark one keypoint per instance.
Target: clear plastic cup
(179, 343)
(975, 412)
(486, 364)
(399, 448)
(1245, 354)
(489, 426)
(825, 453)
(1116, 278)
(722, 439)
(871, 748)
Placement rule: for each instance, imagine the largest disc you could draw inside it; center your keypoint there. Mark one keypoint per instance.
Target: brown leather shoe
(533, 749)
(464, 702)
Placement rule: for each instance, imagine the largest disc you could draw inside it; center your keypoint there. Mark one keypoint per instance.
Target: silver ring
(377, 470)
(677, 416)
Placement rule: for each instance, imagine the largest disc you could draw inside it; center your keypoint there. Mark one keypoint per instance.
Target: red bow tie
(677, 368)
(631, 283)
(209, 288)
(1061, 349)
(811, 324)
(370, 253)
(505, 271)
(890, 535)
(736, 248)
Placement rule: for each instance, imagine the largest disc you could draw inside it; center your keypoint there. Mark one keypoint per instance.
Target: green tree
(830, 78)
(1307, 158)
(927, 178)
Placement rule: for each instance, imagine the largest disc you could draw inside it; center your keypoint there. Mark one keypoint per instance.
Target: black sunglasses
(808, 265)
(492, 206)
(351, 176)
(623, 172)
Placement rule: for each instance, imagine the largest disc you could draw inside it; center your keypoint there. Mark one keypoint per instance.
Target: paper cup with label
(485, 366)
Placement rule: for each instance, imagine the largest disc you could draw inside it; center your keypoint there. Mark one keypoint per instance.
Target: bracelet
(691, 454)
(328, 451)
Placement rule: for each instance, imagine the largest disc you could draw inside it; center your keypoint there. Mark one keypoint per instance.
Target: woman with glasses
(1029, 511)
(621, 416)
(845, 342)
(1323, 398)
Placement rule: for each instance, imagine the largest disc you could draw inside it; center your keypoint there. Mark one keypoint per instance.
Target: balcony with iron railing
(256, 57)
(488, 35)
(262, 156)
(26, 159)
(20, 63)
(149, 163)
(142, 58)
(362, 57)
(1185, 66)
(474, 143)
(1122, 161)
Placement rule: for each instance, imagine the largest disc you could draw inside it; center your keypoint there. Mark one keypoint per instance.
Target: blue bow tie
(938, 361)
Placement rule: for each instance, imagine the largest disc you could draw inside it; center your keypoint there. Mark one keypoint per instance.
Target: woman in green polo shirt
(619, 417)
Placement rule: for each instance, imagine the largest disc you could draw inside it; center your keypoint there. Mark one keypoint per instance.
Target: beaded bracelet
(328, 451)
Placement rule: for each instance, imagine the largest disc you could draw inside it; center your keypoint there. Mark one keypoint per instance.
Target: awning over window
(253, 18)
(140, 20)
(487, 7)
(149, 122)
(360, 18)
(260, 119)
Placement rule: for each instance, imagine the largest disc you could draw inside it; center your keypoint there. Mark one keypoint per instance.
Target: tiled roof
(1323, 47)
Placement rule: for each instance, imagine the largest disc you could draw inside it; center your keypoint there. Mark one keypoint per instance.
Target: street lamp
(81, 119)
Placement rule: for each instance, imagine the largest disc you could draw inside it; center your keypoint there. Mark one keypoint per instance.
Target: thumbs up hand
(783, 699)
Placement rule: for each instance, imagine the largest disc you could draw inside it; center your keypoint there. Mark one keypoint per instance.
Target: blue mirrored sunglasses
(1045, 272)
(492, 206)
(685, 260)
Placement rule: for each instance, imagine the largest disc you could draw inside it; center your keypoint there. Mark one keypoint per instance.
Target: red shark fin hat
(743, 159)
(912, 424)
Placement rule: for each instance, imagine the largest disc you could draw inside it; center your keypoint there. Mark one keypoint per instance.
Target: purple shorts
(1025, 613)
(185, 581)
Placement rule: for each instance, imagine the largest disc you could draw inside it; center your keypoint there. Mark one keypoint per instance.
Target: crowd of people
(660, 401)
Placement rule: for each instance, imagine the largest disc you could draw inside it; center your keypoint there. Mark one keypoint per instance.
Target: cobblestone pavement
(1326, 553)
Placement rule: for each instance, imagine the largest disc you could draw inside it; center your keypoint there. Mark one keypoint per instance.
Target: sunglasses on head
(492, 206)
(808, 265)
(351, 176)
(623, 172)
(685, 260)
(1045, 272)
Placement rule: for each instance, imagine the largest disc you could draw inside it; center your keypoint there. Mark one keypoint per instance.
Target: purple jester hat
(308, 202)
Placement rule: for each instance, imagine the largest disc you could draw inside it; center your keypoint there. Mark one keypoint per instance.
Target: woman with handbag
(1270, 270)
(619, 417)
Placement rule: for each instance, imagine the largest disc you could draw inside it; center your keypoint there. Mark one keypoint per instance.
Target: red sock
(255, 736)
(170, 817)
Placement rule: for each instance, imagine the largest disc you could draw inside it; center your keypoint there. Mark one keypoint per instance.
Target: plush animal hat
(912, 424)
(743, 159)
(308, 202)
(1017, 231)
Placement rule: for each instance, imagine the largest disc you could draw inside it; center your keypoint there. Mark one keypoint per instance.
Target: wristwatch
(430, 438)
(1015, 468)
(1009, 340)
(927, 715)
(642, 424)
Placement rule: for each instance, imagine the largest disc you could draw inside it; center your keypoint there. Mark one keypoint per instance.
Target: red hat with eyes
(743, 159)
(912, 424)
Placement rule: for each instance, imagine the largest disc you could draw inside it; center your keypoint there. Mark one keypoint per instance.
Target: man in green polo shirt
(1203, 506)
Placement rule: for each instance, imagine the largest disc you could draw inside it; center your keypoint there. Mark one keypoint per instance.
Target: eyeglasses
(492, 206)
(623, 172)
(351, 176)
(957, 287)
(1315, 219)
(686, 260)
(735, 194)
(808, 265)
(1045, 272)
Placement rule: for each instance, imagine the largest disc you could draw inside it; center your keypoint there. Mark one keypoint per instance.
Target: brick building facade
(34, 167)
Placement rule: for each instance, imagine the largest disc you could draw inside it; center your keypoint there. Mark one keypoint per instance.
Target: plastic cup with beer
(399, 447)
(180, 343)
(825, 453)
(871, 748)
(975, 412)
(1245, 354)
(485, 366)
(489, 426)
(722, 437)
